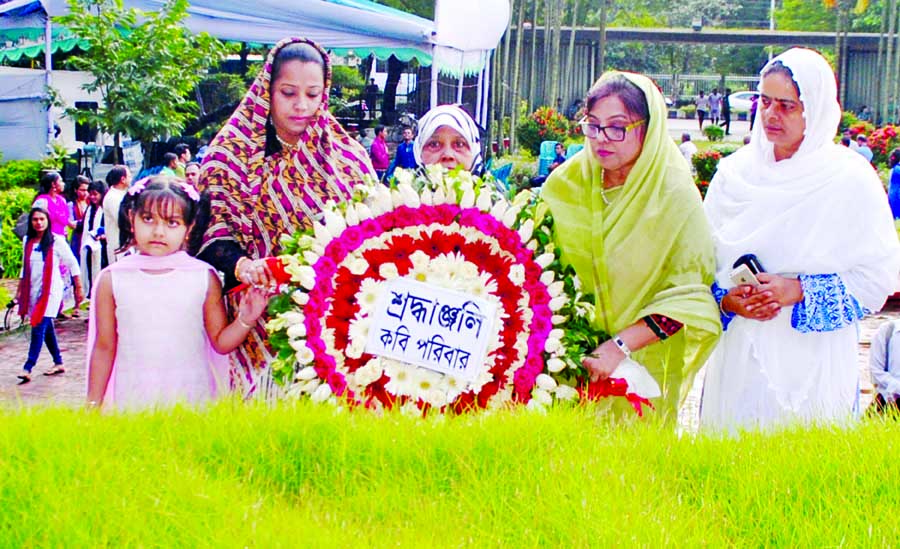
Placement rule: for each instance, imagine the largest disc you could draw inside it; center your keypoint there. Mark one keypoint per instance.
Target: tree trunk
(555, 65)
(879, 68)
(532, 77)
(601, 55)
(548, 39)
(504, 85)
(514, 111)
(570, 61)
(888, 66)
(116, 144)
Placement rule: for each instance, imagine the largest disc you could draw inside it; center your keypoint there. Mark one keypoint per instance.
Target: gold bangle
(244, 324)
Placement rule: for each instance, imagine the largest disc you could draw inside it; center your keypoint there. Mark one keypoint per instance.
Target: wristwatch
(620, 343)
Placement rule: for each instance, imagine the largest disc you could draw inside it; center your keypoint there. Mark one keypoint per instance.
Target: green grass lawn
(306, 475)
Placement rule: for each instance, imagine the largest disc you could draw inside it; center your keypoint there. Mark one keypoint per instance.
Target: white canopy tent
(458, 45)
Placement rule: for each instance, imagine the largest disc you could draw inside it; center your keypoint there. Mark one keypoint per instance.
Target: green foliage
(19, 173)
(544, 124)
(689, 110)
(13, 203)
(848, 119)
(221, 89)
(714, 132)
(145, 65)
(288, 475)
(349, 80)
(5, 298)
(57, 158)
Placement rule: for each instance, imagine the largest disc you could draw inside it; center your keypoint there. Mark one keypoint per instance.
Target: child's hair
(162, 194)
(99, 186)
(47, 237)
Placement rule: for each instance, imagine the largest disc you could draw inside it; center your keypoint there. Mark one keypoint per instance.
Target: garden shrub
(714, 132)
(688, 110)
(13, 203)
(882, 141)
(544, 124)
(847, 119)
(861, 127)
(705, 164)
(19, 173)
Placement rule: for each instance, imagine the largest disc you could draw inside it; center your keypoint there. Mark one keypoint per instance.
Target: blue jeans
(39, 334)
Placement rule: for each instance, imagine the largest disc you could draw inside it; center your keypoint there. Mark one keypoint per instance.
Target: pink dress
(163, 355)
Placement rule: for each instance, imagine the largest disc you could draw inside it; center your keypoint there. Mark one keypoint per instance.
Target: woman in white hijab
(448, 136)
(816, 217)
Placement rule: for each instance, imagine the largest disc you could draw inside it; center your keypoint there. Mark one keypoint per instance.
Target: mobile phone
(752, 263)
(743, 275)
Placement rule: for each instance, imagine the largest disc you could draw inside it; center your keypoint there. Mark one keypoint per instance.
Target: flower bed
(452, 233)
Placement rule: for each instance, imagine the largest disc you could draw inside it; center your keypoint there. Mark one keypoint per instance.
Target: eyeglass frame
(602, 129)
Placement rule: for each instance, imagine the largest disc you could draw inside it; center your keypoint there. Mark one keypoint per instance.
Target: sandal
(24, 378)
(55, 371)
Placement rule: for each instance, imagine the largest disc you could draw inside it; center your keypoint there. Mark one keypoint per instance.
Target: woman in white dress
(816, 216)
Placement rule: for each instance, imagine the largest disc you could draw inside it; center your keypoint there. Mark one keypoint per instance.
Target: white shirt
(62, 255)
(688, 149)
(884, 360)
(111, 203)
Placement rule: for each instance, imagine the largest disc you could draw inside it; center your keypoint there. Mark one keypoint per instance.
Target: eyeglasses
(613, 133)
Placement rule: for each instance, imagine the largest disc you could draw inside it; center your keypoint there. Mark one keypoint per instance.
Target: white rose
(296, 331)
(545, 382)
(526, 229)
(300, 297)
(558, 303)
(350, 216)
(544, 260)
(552, 345)
(409, 195)
(542, 396)
(323, 236)
(306, 276)
(547, 278)
(322, 393)
(499, 209)
(404, 176)
(484, 202)
(310, 257)
(357, 266)
(306, 374)
(426, 197)
(564, 392)
(555, 365)
(439, 197)
(334, 222)
(396, 198)
(556, 333)
(297, 344)
(468, 198)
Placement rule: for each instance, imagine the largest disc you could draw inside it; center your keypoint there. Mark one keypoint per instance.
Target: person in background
(405, 157)
(77, 209)
(884, 367)
(715, 106)
(183, 152)
(118, 180)
(448, 136)
(560, 151)
(378, 152)
(51, 199)
(371, 97)
(40, 292)
(754, 105)
(192, 173)
(687, 148)
(726, 111)
(92, 255)
(702, 103)
(894, 184)
(170, 165)
(845, 141)
(862, 147)
(815, 217)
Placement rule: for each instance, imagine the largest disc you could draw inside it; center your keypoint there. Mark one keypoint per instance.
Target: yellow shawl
(648, 252)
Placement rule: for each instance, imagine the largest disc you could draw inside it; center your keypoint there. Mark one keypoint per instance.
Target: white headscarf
(822, 211)
(454, 117)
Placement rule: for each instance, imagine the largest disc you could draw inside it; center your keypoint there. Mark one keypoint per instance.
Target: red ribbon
(602, 388)
(276, 267)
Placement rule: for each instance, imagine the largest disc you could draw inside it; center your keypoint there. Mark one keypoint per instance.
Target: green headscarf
(649, 251)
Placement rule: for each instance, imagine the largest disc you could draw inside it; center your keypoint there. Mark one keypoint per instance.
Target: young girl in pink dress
(158, 325)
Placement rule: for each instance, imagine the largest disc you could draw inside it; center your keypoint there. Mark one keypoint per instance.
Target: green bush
(714, 132)
(725, 148)
(688, 110)
(19, 173)
(13, 203)
(705, 164)
(847, 119)
(4, 298)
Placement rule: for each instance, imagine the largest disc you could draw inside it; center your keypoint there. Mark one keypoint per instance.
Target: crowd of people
(764, 282)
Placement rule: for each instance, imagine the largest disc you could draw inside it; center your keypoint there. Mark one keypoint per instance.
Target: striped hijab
(256, 197)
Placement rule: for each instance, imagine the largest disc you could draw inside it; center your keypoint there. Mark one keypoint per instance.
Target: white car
(741, 101)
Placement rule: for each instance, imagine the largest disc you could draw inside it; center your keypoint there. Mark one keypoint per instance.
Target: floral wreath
(452, 231)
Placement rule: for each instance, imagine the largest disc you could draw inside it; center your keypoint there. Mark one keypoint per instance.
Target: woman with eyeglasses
(629, 220)
(815, 216)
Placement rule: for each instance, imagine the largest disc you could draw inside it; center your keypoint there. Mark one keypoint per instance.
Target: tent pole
(487, 87)
(434, 78)
(48, 66)
(462, 76)
(480, 93)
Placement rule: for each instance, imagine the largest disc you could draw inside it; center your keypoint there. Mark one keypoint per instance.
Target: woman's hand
(784, 291)
(252, 306)
(751, 302)
(255, 272)
(603, 361)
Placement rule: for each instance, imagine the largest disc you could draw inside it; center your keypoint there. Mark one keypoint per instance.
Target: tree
(145, 66)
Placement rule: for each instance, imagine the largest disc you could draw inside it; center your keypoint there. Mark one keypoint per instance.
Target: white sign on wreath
(432, 327)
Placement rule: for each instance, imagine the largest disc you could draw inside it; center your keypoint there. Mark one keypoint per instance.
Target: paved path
(68, 389)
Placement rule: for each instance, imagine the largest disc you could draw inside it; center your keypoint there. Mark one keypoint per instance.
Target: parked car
(741, 101)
